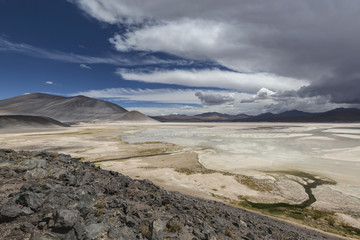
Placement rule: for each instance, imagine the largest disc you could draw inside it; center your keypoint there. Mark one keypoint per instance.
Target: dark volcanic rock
(50, 196)
(31, 200)
(11, 211)
(66, 219)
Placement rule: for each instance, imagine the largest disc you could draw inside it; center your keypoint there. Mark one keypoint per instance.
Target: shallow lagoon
(332, 150)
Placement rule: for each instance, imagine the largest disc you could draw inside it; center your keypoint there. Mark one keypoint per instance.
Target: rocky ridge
(13, 123)
(52, 196)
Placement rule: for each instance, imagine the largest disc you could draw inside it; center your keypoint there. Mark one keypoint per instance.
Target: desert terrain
(305, 173)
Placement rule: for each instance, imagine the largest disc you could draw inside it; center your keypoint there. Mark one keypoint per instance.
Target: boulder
(157, 230)
(66, 219)
(31, 200)
(94, 231)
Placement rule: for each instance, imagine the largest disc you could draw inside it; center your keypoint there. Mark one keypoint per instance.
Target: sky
(185, 57)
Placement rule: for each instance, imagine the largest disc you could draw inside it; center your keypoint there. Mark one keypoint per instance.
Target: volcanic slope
(67, 109)
(19, 123)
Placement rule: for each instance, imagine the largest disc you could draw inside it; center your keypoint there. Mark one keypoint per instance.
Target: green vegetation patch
(173, 226)
(145, 231)
(190, 171)
(303, 212)
(152, 151)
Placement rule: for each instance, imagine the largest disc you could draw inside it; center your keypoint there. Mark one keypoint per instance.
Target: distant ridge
(204, 117)
(66, 109)
(335, 115)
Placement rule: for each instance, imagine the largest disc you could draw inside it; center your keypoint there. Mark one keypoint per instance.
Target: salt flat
(238, 148)
(259, 162)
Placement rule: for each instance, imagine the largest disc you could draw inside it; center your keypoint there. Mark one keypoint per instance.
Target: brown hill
(65, 109)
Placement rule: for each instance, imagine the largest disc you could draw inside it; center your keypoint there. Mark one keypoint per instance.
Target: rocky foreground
(52, 196)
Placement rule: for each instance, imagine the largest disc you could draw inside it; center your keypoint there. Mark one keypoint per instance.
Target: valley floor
(305, 173)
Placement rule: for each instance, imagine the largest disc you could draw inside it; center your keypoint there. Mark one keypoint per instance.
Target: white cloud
(262, 94)
(277, 102)
(203, 29)
(188, 107)
(251, 109)
(110, 11)
(242, 35)
(186, 37)
(248, 82)
(314, 104)
(224, 42)
(158, 111)
(118, 60)
(210, 99)
(54, 55)
(84, 66)
(49, 83)
(162, 95)
(185, 101)
(186, 98)
(135, 11)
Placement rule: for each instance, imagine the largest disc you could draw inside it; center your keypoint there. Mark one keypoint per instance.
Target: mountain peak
(82, 97)
(67, 109)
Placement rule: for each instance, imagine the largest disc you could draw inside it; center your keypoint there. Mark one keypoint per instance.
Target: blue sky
(162, 58)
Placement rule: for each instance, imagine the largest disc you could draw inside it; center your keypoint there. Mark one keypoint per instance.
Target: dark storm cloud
(342, 87)
(320, 42)
(302, 104)
(210, 99)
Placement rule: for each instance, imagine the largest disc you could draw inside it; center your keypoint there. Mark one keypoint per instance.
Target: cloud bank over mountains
(310, 46)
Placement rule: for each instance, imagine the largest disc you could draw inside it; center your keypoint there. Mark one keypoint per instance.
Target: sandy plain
(255, 163)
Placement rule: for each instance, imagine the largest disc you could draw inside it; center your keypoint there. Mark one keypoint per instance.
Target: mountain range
(68, 109)
(335, 115)
(52, 108)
